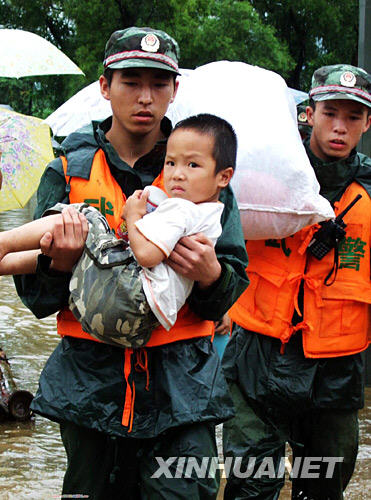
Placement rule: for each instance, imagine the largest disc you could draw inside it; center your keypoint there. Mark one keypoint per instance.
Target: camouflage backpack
(106, 294)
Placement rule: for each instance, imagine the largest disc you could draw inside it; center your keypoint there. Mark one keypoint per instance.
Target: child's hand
(135, 206)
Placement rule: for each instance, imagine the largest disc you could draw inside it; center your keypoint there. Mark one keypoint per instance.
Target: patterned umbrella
(26, 54)
(26, 148)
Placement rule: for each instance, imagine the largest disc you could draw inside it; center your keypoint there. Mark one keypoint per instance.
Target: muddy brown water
(32, 458)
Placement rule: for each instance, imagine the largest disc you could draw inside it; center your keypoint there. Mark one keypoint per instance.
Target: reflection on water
(32, 459)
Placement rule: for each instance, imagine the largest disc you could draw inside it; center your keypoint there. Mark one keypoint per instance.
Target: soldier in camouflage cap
(287, 394)
(86, 385)
(303, 125)
(341, 81)
(339, 110)
(141, 47)
(139, 80)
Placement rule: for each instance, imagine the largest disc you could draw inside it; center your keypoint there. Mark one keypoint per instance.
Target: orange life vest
(336, 318)
(102, 191)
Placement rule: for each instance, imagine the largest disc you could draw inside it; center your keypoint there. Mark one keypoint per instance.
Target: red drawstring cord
(141, 364)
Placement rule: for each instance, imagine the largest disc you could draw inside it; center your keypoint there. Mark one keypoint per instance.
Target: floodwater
(31, 454)
(32, 459)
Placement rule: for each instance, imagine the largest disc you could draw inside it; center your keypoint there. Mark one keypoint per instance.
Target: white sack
(275, 186)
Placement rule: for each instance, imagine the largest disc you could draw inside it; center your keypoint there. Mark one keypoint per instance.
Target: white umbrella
(26, 54)
(298, 95)
(87, 105)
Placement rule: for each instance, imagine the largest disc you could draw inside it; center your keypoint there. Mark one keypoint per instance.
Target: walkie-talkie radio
(330, 233)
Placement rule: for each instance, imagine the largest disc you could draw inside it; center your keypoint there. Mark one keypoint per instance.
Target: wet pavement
(32, 459)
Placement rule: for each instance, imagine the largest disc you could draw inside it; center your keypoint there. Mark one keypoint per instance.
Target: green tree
(231, 30)
(317, 32)
(291, 37)
(206, 31)
(94, 22)
(39, 95)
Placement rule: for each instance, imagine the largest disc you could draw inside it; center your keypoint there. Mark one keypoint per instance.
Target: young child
(200, 160)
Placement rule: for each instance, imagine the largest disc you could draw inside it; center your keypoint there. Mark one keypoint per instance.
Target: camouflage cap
(341, 81)
(302, 114)
(141, 48)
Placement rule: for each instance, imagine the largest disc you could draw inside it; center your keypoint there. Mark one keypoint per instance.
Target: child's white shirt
(165, 290)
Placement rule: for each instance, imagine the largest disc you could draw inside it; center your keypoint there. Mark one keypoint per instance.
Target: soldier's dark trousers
(332, 434)
(105, 468)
